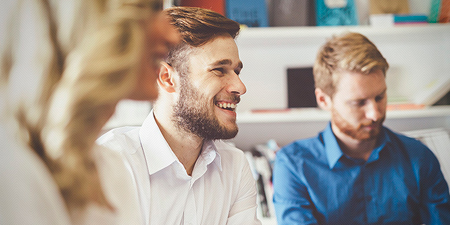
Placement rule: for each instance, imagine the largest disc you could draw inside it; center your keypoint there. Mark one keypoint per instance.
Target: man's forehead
(357, 85)
(218, 52)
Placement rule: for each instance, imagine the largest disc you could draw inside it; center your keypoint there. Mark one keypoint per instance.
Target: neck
(360, 149)
(185, 145)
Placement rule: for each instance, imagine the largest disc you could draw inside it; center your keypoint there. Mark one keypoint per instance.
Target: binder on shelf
(252, 13)
(444, 13)
(292, 13)
(216, 5)
(434, 11)
(410, 18)
(397, 19)
(336, 12)
(389, 7)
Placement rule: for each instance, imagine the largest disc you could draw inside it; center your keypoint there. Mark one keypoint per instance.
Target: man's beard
(358, 132)
(192, 113)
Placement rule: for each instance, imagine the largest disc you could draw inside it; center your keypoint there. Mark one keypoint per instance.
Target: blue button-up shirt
(401, 183)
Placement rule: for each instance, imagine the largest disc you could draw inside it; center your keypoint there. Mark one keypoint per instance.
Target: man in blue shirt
(357, 171)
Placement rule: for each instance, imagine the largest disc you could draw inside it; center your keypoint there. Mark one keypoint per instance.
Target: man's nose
(236, 86)
(373, 111)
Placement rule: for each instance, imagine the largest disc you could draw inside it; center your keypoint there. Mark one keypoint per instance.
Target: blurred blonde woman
(64, 67)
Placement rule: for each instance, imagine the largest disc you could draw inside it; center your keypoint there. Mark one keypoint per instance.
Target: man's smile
(226, 105)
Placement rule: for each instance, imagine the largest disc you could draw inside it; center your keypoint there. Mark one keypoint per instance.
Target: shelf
(313, 114)
(292, 35)
(432, 111)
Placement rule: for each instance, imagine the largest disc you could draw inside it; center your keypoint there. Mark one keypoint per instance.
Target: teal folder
(336, 16)
(252, 13)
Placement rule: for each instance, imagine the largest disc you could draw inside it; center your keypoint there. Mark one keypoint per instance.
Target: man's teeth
(227, 105)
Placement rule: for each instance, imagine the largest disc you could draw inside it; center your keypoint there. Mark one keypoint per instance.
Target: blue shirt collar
(334, 151)
(381, 143)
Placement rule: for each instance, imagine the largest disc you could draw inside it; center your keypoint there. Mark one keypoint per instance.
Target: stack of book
(261, 159)
(397, 19)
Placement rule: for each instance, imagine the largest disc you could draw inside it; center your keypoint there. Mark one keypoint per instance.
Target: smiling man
(357, 171)
(184, 173)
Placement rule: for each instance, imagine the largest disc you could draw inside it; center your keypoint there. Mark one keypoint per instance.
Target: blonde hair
(349, 52)
(88, 62)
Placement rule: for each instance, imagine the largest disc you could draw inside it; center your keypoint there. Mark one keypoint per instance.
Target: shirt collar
(334, 151)
(381, 143)
(210, 154)
(332, 148)
(159, 155)
(157, 151)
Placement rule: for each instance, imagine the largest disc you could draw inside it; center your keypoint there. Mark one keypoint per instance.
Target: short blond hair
(348, 52)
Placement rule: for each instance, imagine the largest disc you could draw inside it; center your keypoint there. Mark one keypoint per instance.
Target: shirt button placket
(368, 190)
(190, 213)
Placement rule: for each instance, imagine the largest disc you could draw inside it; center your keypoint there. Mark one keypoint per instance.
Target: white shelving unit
(418, 56)
(315, 114)
(257, 36)
(287, 126)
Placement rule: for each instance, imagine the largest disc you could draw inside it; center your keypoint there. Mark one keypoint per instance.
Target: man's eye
(219, 71)
(379, 98)
(358, 103)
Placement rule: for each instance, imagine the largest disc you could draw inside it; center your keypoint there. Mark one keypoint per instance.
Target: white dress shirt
(221, 189)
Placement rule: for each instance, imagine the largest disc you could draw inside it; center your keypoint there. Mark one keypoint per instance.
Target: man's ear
(323, 100)
(166, 77)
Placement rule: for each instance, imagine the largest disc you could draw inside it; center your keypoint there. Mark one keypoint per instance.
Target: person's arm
(291, 199)
(243, 210)
(435, 207)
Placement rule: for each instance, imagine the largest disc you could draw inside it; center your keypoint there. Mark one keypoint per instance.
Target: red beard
(360, 132)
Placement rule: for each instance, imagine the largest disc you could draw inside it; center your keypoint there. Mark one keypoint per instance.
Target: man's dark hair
(197, 26)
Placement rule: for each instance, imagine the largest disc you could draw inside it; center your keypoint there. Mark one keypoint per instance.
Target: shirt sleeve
(291, 199)
(435, 208)
(243, 211)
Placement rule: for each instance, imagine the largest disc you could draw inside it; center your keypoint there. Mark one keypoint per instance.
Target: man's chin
(367, 135)
(229, 133)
